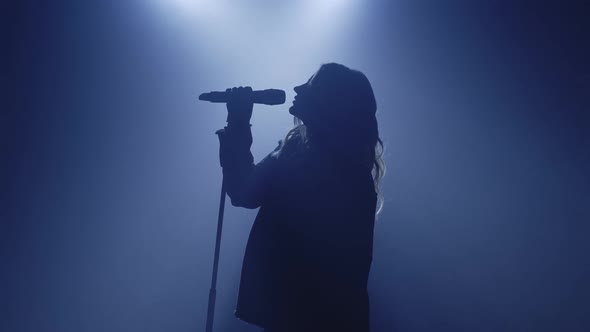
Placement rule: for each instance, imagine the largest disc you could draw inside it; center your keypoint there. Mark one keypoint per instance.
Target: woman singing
(309, 252)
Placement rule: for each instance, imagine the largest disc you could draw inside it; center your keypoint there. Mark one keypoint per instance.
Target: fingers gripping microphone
(266, 97)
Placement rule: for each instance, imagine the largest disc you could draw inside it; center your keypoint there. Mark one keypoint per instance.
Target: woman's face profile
(333, 92)
(303, 103)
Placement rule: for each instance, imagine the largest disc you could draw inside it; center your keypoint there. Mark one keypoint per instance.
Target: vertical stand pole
(212, 290)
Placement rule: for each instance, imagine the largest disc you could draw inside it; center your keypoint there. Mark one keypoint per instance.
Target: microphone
(266, 97)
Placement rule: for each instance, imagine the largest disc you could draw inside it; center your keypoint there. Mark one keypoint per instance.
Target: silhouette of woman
(309, 252)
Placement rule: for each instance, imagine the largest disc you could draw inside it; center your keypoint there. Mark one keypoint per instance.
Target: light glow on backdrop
(261, 33)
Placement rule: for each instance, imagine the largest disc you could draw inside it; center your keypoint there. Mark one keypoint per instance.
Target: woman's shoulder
(291, 146)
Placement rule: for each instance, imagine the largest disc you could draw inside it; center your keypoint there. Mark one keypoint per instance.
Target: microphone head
(273, 97)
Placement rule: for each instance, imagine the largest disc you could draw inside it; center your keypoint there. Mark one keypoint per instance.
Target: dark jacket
(310, 248)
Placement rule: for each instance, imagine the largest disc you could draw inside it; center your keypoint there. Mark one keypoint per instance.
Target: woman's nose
(298, 89)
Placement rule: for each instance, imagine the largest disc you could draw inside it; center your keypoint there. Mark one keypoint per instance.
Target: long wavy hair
(343, 119)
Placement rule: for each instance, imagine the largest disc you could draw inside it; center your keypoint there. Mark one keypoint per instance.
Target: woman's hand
(239, 108)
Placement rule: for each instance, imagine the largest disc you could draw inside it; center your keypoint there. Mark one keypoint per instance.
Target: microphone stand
(212, 290)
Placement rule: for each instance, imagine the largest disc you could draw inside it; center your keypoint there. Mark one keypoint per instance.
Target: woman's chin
(296, 110)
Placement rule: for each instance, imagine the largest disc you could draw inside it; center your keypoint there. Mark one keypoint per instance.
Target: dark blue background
(111, 179)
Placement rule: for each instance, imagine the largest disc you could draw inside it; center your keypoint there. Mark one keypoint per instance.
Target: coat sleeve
(246, 183)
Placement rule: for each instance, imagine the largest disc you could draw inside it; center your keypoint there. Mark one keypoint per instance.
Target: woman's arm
(244, 181)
